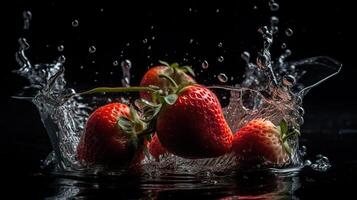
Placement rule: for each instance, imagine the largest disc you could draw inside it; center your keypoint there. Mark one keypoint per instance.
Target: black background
(320, 28)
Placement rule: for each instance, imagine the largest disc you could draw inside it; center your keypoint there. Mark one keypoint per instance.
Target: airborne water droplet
(220, 59)
(274, 20)
(217, 11)
(283, 45)
(222, 77)
(301, 110)
(60, 48)
(274, 6)
(115, 63)
(75, 23)
(92, 49)
(220, 44)
(61, 59)
(191, 41)
(126, 66)
(145, 41)
(289, 32)
(205, 64)
(245, 56)
(27, 15)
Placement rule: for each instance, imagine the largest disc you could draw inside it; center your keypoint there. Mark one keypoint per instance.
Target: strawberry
(105, 143)
(261, 143)
(155, 148)
(193, 126)
(176, 72)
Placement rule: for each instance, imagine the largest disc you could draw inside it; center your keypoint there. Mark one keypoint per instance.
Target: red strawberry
(177, 73)
(194, 125)
(155, 147)
(262, 143)
(104, 142)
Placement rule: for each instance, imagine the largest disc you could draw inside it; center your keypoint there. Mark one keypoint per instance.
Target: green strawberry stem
(118, 89)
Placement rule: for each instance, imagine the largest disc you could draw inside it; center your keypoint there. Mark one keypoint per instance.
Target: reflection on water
(255, 185)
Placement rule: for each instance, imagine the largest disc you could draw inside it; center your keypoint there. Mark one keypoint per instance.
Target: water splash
(271, 89)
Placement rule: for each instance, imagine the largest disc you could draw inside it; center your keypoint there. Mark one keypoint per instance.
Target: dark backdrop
(320, 28)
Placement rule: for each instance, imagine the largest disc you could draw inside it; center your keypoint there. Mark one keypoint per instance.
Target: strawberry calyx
(143, 113)
(177, 69)
(286, 133)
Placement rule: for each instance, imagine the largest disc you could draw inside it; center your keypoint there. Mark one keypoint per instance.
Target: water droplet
(274, 20)
(145, 41)
(300, 120)
(245, 56)
(255, 7)
(81, 67)
(301, 110)
(151, 27)
(220, 59)
(222, 77)
(289, 80)
(60, 48)
(149, 47)
(190, 10)
(75, 23)
(217, 11)
(126, 64)
(96, 73)
(127, 44)
(61, 59)
(27, 15)
(95, 80)
(303, 150)
(275, 29)
(92, 49)
(307, 163)
(102, 9)
(205, 64)
(153, 38)
(289, 32)
(115, 63)
(262, 60)
(111, 73)
(224, 97)
(274, 6)
(191, 41)
(283, 45)
(220, 44)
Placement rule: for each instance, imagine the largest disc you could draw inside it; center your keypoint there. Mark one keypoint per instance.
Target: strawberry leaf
(125, 124)
(189, 70)
(175, 65)
(164, 63)
(283, 128)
